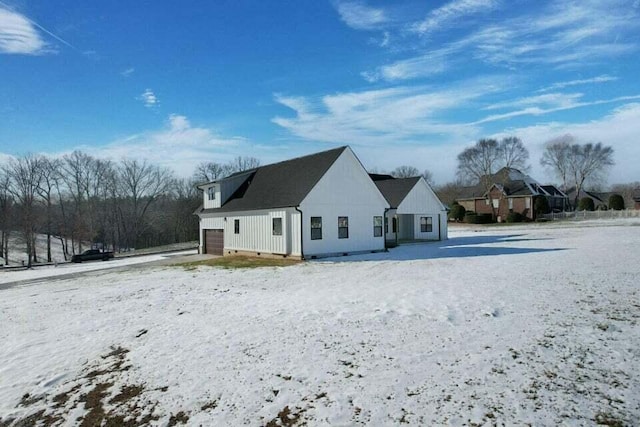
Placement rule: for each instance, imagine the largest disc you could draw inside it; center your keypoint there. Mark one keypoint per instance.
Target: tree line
(83, 201)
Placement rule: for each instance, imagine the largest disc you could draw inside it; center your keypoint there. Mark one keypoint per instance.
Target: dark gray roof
(379, 176)
(279, 185)
(552, 190)
(395, 189)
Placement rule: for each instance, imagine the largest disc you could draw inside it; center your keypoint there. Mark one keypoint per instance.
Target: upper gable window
(211, 193)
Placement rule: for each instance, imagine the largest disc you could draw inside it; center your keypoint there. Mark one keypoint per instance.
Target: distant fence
(584, 215)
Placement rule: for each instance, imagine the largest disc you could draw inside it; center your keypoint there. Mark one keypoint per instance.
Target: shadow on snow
(455, 247)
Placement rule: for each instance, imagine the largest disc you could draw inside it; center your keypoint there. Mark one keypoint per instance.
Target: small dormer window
(211, 192)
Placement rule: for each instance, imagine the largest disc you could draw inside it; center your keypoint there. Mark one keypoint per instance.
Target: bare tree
(479, 162)
(209, 171)
(556, 158)
(514, 153)
(24, 178)
(78, 174)
(405, 172)
(588, 162)
(50, 175)
(450, 192)
(241, 163)
(142, 184)
(6, 215)
(482, 161)
(428, 176)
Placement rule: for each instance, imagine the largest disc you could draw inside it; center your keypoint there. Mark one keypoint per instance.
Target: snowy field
(503, 325)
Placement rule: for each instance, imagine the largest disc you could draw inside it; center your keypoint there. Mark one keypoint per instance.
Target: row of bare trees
(82, 200)
(573, 163)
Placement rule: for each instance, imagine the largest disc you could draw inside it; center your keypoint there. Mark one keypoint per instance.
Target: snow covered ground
(43, 273)
(531, 324)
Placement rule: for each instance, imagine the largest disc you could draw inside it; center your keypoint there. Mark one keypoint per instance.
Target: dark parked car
(92, 255)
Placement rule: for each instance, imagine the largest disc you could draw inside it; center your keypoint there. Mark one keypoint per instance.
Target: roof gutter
(301, 229)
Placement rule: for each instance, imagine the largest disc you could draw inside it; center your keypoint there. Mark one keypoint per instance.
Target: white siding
(423, 202)
(212, 223)
(256, 231)
(421, 199)
(294, 236)
(391, 236)
(215, 203)
(434, 234)
(345, 190)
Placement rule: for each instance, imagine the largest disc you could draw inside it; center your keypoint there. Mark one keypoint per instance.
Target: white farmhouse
(416, 213)
(317, 205)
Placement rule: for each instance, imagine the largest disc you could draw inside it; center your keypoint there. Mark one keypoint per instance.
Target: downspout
(301, 237)
(384, 232)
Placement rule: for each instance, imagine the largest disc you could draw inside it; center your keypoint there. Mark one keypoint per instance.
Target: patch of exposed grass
(241, 262)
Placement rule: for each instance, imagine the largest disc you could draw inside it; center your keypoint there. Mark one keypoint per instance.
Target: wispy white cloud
(554, 100)
(451, 12)
(433, 63)
(19, 36)
(386, 116)
(127, 72)
(619, 128)
(560, 85)
(562, 35)
(178, 145)
(357, 15)
(149, 99)
(537, 110)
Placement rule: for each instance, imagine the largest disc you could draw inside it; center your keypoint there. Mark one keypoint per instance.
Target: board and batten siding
(344, 190)
(421, 201)
(256, 232)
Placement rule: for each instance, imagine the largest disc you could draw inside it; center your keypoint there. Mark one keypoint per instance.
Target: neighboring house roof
(394, 189)
(513, 183)
(598, 197)
(471, 192)
(380, 177)
(279, 185)
(553, 190)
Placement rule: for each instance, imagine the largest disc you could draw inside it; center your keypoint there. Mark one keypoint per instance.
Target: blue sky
(402, 82)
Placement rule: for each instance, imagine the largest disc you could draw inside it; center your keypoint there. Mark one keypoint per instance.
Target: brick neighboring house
(511, 191)
(636, 201)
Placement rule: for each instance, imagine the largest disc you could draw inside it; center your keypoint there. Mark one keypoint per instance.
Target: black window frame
(274, 229)
(343, 230)
(211, 193)
(236, 226)
(316, 232)
(427, 227)
(394, 225)
(377, 229)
